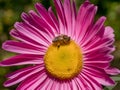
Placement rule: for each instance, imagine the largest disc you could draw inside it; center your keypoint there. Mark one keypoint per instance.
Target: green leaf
(110, 87)
(116, 78)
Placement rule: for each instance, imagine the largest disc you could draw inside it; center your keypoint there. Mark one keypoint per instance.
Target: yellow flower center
(63, 62)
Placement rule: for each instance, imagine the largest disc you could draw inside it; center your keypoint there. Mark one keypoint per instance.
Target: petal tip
(5, 84)
(23, 14)
(1, 64)
(103, 18)
(87, 0)
(37, 5)
(4, 45)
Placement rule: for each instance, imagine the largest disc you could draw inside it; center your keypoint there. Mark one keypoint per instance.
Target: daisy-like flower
(67, 52)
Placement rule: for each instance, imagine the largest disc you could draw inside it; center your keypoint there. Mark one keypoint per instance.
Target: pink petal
(60, 10)
(81, 83)
(94, 84)
(50, 85)
(23, 48)
(40, 24)
(104, 51)
(106, 41)
(78, 83)
(61, 16)
(74, 85)
(68, 85)
(64, 86)
(55, 86)
(92, 43)
(97, 64)
(19, 36)
(96, 30)
(99, 75)
(98, 55)
(45, 16)
(22, 59)
(40, 82)
(108, 32)
(35, 21)
(87, 86)
(45, 85)
(102, 59)
(23, 70)
(54, 19)
(30, 33)
(84, 20)
(101, 43)
(60, 85)
(30, 82)
(70, 15)
(22, 76)
(112, 71)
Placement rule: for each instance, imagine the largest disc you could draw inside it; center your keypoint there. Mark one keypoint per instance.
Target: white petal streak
(33, 81)
(19, 36)
(24, 29)
(23, 48)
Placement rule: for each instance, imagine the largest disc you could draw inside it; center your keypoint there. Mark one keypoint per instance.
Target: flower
(69, 52)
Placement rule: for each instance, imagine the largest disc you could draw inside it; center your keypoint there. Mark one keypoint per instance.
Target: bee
(61, 40)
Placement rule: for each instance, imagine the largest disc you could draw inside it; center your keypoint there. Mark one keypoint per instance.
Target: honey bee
(61, 40)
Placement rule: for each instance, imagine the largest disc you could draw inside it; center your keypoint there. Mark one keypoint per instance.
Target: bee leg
(58, 46)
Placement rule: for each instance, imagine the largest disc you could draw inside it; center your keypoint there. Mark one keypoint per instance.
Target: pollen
(64, 62)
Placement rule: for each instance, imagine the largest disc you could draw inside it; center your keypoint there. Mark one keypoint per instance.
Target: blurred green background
(10, 11)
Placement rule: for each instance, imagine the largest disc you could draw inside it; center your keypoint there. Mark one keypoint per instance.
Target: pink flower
(67, 52)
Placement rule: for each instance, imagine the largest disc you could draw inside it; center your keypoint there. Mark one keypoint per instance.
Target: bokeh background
(10, 11)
